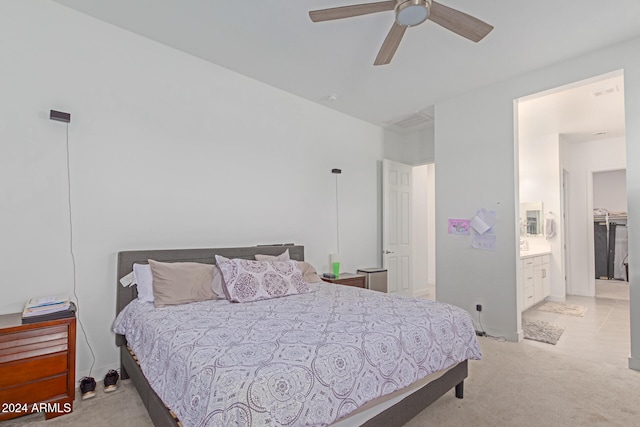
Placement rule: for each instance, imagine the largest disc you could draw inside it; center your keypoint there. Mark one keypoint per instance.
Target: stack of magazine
(48, 308)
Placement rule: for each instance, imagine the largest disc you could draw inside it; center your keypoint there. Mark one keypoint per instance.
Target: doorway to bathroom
(565, 136)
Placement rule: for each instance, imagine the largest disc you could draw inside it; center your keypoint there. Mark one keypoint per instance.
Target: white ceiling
(585, 111)
(275, 42)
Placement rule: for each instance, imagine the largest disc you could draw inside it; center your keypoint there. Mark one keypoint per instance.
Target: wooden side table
(348, 279)
(37, 366)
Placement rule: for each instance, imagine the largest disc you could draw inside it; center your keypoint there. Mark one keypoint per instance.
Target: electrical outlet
(478, 307)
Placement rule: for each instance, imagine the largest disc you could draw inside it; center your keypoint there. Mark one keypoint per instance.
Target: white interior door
(396, 226)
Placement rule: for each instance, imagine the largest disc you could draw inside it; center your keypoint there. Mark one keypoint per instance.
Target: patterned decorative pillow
(309, 273)
(246, 280)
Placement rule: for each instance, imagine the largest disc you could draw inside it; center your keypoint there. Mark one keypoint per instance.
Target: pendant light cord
(337, 217)
(73, 257)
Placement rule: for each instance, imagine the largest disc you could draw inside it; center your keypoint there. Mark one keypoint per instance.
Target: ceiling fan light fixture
(412, 12)
(408, 13)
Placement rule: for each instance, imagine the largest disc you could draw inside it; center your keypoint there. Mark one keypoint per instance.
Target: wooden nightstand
(37, 366)
(348, 279)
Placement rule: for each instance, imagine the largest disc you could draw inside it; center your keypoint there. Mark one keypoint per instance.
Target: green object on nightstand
(336, 269)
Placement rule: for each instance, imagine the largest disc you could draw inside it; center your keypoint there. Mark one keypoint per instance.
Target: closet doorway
(610, 244)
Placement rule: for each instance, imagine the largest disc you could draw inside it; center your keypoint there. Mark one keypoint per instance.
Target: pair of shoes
(88, 384)
(87, 387)
(111, 381)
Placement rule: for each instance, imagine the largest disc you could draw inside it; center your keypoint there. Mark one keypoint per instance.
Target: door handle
(387, 252)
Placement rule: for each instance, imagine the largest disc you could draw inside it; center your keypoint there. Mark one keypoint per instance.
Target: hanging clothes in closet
(610, 244)
(601, 249)
(611, 255)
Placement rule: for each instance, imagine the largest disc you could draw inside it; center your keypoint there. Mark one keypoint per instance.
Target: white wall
(420, 145)
(475, 169)
(610, 190)
(411, 148)
(166, 151)
(476, 158)
(395, 147)
(582, 160)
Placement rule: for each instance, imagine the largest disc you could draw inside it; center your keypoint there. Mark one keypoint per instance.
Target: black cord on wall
(483, 333)
(337, 172)
(60, 117)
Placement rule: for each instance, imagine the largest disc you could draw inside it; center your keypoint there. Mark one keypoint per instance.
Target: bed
(403, 398)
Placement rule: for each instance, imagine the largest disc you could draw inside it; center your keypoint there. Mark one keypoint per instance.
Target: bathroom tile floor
(602, 335)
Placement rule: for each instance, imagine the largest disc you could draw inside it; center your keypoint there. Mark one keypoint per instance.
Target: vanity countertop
(534, 252)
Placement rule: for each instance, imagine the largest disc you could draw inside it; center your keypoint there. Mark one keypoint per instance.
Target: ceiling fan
(409, 13)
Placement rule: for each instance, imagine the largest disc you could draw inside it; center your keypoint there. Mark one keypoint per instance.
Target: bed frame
(161, 416)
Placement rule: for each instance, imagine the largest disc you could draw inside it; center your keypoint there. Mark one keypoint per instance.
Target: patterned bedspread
(298, 360)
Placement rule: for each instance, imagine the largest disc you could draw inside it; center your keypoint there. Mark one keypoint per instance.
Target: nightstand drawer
(22, 371)
(348, 279)
(17, 339)
(32, 343)
(34, 392)
(358, 283)
(33, 350)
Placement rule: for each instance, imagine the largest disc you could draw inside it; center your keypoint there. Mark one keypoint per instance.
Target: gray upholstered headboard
(126, 259)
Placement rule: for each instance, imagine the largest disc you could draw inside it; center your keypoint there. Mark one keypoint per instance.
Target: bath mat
(537, 330)
(562, 308)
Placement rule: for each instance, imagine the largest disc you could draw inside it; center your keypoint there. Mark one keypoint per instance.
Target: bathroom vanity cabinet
(536, 285)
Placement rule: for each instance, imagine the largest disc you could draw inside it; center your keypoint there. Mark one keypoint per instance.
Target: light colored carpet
(562, 308)
(539, 330)
(525, 386)
(514, 385)
(122, 407)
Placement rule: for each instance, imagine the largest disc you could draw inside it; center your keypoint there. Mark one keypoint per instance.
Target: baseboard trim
(421, 293)
(555, 298)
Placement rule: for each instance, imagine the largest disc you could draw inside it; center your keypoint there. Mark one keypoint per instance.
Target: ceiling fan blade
(349, 11)
(459, 22)
(390, 44)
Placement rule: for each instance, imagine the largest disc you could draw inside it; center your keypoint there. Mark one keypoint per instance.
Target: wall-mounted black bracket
(60, 116)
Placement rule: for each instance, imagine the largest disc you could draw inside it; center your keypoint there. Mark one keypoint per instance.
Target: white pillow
(181, 282)
(143, 278)
(144, 281)
(216, 286)
(284, 256)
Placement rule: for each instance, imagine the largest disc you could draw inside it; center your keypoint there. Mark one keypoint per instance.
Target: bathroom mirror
(531, 219)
